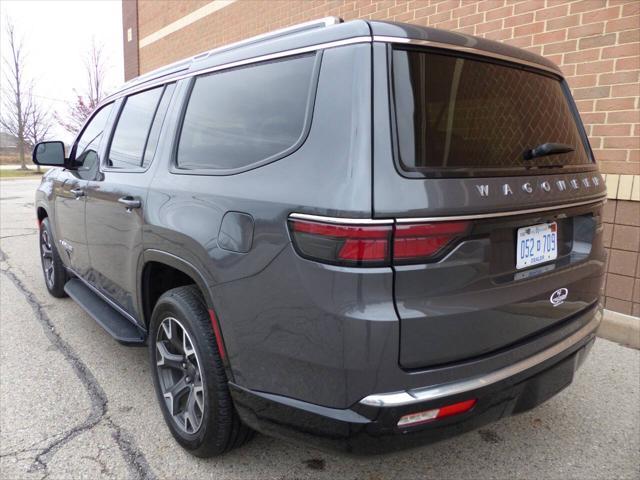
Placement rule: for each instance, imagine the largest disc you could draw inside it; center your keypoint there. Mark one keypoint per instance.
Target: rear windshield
(459, 115)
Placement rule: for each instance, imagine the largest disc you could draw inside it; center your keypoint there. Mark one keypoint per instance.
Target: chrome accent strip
(498, 214)
(395, 399)
(341, 221)
(262, 58)
(458, 48)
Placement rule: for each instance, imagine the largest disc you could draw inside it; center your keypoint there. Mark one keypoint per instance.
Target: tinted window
(239, 117)
(130, 136)
(87, 145)
(457, 113)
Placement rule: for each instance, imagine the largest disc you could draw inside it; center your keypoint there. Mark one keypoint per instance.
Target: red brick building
(595, 42)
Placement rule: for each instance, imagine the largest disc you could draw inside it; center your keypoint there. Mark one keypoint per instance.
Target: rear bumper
(370, 426)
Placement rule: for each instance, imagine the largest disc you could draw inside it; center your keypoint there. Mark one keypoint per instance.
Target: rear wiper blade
(547, 149)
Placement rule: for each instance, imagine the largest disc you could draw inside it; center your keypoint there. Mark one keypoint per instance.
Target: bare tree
(15, 113)
(86, 102)
(38, 124)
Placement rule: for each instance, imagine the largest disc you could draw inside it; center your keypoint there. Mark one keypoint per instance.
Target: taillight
(373, 245)
(355, 245)
(421, 241)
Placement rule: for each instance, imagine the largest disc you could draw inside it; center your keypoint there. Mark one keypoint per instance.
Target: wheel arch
(180, 272)
(157, 259)
(41, 213)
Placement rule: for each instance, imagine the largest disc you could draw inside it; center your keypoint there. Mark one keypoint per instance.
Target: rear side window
(249, 115)
(457, 114)
(131, 132)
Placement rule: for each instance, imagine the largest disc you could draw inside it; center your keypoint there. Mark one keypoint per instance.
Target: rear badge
(559, 296)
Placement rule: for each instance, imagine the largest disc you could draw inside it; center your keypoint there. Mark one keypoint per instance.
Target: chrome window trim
(262, 58)
(396, 399)
(459, 48)
(388, 221)
(171, 77)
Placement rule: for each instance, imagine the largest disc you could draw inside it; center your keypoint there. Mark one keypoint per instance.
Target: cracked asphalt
(76, 404)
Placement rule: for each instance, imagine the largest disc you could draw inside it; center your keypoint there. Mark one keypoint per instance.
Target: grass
(6, 173)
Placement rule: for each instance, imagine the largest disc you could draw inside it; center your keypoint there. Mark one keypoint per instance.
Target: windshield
(457, 114)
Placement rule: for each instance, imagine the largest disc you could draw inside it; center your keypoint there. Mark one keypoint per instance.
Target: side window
(85, 152)
(132, 129)
(240, 117)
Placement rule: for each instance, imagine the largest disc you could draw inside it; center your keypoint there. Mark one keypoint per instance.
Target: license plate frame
(536, 245)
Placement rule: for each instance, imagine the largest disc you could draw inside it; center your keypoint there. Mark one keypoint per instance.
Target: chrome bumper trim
(396, 399)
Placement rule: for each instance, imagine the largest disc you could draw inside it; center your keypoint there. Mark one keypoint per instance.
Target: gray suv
(363, 235)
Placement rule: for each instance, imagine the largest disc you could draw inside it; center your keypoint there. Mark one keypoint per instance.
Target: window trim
(104, 165)
(466, 172)
(74, 147)
(309, 108)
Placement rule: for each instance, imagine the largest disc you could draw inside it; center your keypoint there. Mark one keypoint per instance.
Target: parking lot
(76, 404)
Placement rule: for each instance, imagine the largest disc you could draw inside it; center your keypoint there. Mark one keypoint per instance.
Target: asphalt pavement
(76, 404)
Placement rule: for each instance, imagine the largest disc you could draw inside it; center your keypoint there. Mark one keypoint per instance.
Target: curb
(620, 328)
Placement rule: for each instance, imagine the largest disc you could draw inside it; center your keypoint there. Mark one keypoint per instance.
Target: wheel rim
(179, 375)
(46, 251)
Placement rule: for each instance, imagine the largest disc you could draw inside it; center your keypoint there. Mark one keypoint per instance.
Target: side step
(117, 325)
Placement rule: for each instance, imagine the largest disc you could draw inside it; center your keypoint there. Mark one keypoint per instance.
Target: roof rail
(185, 63)
(300, 27)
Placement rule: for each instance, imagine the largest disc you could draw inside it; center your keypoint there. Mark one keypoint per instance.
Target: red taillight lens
(355, 245)
(421, 241)
(371, 245)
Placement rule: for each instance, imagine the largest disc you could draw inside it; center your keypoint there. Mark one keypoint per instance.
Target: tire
(212, 426)
(54, 271)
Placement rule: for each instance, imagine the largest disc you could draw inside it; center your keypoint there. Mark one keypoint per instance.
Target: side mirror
(49, 153)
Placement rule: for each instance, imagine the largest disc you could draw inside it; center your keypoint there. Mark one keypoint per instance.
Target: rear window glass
(456, 114)
(240, 117)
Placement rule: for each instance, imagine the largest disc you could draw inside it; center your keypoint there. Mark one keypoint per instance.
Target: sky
(57, 36)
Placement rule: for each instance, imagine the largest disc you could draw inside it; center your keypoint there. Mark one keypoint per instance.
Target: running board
(116, 324)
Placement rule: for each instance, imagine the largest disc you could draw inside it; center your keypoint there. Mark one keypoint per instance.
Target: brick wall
(595, 42)
(130, 38)
(622, 239)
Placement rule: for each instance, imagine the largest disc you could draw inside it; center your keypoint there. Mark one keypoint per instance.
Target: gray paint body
(318, 333)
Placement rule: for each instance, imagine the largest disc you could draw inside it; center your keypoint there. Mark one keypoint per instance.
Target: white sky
(57, 35)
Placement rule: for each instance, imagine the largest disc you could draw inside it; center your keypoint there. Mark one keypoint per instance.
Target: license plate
(536, 244)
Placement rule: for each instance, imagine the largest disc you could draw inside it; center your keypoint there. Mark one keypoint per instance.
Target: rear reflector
(436, 414)
(373, 245)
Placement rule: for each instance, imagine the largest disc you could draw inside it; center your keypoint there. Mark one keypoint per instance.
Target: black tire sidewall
(59, 270)
(212, 436)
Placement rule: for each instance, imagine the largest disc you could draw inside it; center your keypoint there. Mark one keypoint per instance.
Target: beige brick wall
(622, 240)
(595, 42)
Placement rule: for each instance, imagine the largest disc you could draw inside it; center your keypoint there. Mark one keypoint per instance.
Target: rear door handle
(77, 192)
(130, 202)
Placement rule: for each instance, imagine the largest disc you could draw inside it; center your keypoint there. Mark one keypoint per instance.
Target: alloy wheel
(179, 375)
